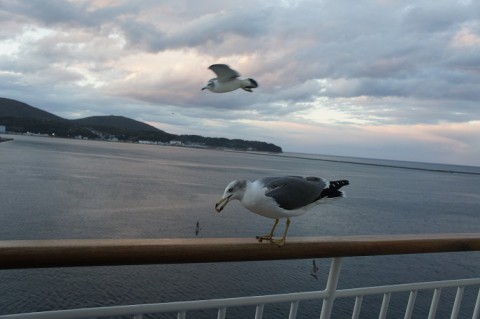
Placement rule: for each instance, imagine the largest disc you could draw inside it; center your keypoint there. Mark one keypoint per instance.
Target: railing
(69, 253)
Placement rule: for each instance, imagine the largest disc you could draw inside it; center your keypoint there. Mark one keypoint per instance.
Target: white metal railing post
(259, 311)
(434, 304)
(458, 301)
(410, 304)
(331, 288)
(221, 313)
(357, 307)
(293, 310)
(476, 311)
(385, 303)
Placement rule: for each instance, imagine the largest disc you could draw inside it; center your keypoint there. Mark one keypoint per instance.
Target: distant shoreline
(5, 139)
(299, 156)
(346, 161)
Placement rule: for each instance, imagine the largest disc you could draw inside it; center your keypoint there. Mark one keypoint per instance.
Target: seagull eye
(230, 190)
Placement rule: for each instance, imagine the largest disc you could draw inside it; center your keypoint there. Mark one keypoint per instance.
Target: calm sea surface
(67, 189)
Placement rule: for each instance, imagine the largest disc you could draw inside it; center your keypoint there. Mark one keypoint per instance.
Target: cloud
(203, 33)
(351, 69)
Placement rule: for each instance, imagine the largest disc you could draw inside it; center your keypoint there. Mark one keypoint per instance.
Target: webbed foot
(262, 238)
(278, 242)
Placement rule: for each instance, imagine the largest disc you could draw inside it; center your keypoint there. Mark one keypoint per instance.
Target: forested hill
(19, 117)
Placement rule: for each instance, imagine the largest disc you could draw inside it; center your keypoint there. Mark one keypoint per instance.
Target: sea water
(74, 189)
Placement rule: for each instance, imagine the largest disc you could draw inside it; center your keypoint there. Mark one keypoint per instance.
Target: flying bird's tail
(253, 84)
(333, 190)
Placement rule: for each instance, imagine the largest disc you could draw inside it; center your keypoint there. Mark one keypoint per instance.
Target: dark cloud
(422, 17)
(203, 33)
(75, 14)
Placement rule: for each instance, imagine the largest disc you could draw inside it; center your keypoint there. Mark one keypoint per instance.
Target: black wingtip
(253, 83)
(333, 189)
(339, 184)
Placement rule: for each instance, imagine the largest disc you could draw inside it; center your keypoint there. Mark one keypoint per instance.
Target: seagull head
(210, 86)
(234, 190)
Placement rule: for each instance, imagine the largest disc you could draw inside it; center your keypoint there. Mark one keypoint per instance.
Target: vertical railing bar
(476, 311)
(433, 306)
(259, 311)
(331, 288)
(385, 302)
(458, 301)
(357, 307)
(221, 313)
(293, 310)
(181, 314)
(410, 304)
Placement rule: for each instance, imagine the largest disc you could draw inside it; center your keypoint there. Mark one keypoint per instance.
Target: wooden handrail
(17, 254)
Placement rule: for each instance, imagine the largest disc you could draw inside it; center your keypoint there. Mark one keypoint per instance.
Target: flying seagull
(280, 197)
(228, 80)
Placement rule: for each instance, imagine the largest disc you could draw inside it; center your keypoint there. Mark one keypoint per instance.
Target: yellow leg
(269, 236)
(281, 241)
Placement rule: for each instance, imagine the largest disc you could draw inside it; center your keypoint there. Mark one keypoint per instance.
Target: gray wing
(293, 192)
(223, 72)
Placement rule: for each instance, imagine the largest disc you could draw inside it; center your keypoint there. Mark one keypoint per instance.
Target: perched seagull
(313, 273)
(280, 197)
(228, 80)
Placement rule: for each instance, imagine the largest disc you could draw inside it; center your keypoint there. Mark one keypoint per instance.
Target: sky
(381, 79)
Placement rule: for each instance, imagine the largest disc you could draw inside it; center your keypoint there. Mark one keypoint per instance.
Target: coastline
(2, 139)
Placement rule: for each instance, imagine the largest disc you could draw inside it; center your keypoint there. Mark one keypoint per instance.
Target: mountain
(16, 109)
(19, 117)
(120, 122)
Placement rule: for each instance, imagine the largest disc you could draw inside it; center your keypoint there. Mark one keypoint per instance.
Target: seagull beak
(220, 205)
(204, 88)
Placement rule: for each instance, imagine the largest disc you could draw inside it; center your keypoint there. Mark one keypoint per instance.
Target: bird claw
(278, 242)
(262, 238)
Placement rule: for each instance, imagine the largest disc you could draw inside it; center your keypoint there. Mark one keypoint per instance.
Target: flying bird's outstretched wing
(223, 72)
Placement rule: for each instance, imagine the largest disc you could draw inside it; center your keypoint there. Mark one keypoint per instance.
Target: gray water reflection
(65, 189)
